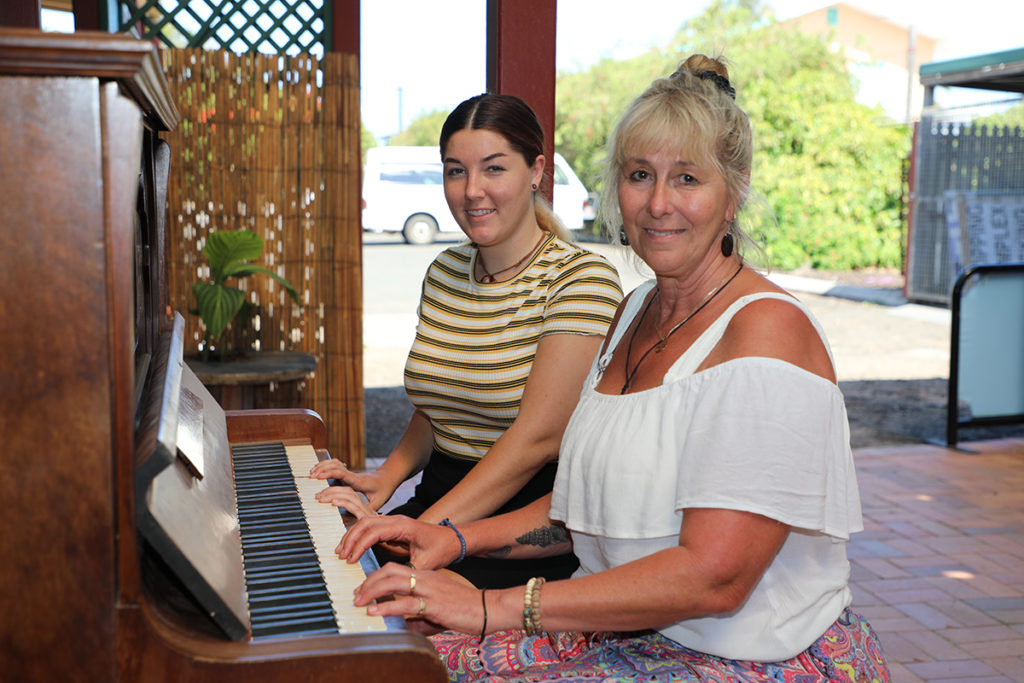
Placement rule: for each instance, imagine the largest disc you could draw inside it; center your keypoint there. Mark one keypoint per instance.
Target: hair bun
(718, 79)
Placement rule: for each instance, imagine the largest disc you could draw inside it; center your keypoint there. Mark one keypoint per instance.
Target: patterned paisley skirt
(849, 651)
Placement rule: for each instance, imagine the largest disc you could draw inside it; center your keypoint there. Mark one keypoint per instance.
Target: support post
(20, 13)
(521, 61)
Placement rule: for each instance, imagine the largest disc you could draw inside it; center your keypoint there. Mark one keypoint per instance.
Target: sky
(419, 55)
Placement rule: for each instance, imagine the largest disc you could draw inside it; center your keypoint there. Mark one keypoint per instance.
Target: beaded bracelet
(462, 540)
(531, 606)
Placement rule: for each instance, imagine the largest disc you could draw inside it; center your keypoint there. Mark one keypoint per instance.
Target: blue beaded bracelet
(462, 553)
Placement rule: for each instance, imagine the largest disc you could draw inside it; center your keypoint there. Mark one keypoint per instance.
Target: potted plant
(229, 254)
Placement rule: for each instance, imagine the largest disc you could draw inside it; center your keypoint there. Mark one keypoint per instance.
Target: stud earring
(623, 239)
(727, 245)
(534, 187)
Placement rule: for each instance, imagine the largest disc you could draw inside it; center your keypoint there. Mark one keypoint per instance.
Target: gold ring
(412, 584)
(423, 608)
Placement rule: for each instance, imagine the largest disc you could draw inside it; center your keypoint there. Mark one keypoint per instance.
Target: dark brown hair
(514, 120)
(506, 115)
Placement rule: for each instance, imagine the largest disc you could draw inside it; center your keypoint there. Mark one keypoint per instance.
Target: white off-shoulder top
(752, 434)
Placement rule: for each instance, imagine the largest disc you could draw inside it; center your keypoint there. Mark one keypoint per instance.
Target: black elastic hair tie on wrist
(483, 600)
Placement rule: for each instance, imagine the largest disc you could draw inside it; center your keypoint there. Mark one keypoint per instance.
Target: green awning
(994, 71)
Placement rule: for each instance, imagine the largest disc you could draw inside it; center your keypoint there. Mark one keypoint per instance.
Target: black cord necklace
(659, 345)
(489, 277)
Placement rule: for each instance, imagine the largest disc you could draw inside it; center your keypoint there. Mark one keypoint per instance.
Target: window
(407, 174)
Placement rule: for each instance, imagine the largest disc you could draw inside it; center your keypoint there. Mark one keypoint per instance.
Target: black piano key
(283, 566)
(283, 589)
(268, 480)
(295, 601)
(294, 612)
(281, 582)
(269, 508)
(273, 599)
(287, 593)
(261, 549)
(261, 529)
(269, 563)
(294, 627)
(267, 548)
(257, 536)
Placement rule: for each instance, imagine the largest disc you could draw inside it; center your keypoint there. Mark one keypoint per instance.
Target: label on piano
(190, 432)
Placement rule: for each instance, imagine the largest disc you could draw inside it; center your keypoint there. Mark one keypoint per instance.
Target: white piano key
(326, 527)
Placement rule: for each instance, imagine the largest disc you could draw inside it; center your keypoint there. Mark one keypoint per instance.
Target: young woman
(508, 324)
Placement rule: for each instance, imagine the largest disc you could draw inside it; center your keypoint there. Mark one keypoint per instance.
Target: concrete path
(874, 332)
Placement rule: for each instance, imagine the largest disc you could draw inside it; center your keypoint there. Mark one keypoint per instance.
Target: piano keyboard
(295, 582)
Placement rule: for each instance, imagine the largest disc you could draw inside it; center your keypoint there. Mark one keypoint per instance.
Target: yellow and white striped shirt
(475, 342)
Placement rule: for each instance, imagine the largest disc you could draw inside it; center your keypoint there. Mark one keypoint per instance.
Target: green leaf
(228, 254)
(244, 269)
(224, 249)
(217, 305)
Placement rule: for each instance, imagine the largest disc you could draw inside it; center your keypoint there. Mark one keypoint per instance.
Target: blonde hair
(548, 221)
(692, 111)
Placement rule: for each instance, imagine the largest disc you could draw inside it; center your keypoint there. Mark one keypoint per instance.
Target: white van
(402, 192)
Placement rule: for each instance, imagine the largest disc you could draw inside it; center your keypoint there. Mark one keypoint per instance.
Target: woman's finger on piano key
(439, 599)
(399, 582)
(328, 469)
(346, 498)
(391, 580)
(370, 530)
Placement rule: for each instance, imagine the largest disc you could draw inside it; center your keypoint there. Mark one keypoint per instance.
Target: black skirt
(441, 474)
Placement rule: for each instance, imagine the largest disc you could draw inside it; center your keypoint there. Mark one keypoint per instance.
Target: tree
(828, 167)
(588, 104)
(1009, 118)
(425, 130)
(367, 139)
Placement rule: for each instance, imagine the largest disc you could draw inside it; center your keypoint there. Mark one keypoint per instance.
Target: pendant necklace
(489, 277)
(662, 342)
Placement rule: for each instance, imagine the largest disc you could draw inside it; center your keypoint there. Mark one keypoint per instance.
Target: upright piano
(146, 533)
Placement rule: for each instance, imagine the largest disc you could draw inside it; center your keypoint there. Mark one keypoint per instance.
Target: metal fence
(967, 200)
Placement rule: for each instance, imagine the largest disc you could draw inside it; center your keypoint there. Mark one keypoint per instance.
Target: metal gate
(967, 203)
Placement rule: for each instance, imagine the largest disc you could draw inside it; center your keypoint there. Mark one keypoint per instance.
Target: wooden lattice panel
(271, 144)
(268, 26)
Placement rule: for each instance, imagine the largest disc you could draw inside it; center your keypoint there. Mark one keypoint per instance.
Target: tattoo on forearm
(544, 536)
(500, 553)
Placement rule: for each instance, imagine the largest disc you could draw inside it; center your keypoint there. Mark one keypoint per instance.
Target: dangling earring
(623, 239)
(727, 245)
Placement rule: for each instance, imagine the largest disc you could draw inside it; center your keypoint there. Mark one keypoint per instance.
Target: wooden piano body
(82, 314)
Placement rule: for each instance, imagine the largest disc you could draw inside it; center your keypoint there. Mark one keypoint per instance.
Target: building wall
(879, 54)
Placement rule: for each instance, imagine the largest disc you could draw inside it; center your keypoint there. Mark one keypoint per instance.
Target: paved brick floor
(939, 567)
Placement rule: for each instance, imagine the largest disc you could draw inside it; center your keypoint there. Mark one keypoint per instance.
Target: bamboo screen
(271, 144)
